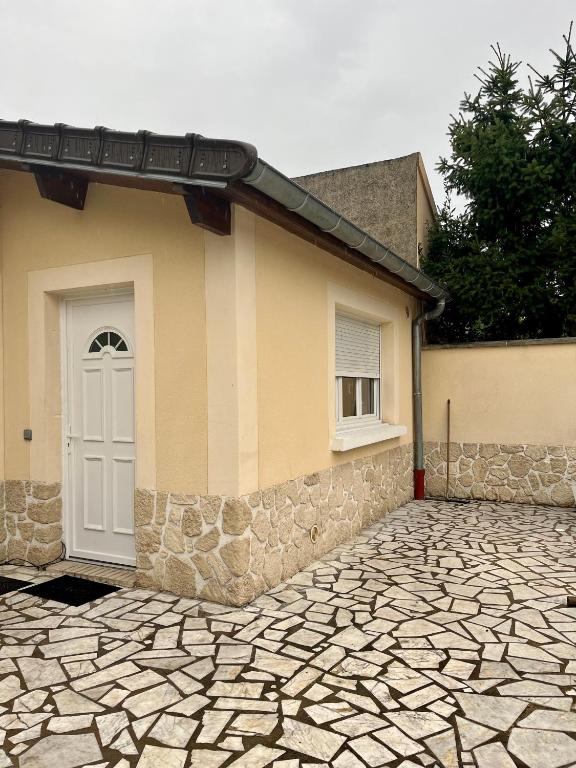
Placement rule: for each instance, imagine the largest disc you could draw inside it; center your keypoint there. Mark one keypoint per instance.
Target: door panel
(123, 493)
(122, 410)
(94, 496)
(93, 404)
(100, 429)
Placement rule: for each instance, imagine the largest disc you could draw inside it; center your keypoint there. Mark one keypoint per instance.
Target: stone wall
(33, 521)
(378, 197)
(230, 550)
(524, 474)
(3, 534)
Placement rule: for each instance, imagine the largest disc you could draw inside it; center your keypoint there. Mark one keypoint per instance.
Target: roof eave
(142, 154)
(170, 163)
(298, 200)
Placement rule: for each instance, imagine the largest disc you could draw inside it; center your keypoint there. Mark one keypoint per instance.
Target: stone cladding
(30, 521)
(524, 474)
(230, 550)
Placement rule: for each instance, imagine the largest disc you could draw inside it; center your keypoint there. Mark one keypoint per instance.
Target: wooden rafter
(208, 210)
(62, 187)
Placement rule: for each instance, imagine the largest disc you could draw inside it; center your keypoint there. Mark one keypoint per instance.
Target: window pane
(114, 339)
(368, 399)
(103, 339)
(348, 396)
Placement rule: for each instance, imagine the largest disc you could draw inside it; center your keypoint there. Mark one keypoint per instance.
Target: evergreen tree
(509, 258)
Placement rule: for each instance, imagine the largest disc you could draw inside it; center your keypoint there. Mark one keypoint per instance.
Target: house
(207, 372)
(389, 199)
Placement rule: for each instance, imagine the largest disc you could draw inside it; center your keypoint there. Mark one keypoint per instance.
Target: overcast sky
(314, 84)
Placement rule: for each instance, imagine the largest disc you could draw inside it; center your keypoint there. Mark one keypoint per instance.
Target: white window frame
(360, 420)
(347, 422)
(357, 431)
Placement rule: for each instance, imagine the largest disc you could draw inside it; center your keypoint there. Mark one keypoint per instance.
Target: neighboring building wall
(379, 197)
(425, 210)
(513, 421)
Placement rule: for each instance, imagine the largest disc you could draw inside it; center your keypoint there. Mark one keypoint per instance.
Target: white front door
(99, 429)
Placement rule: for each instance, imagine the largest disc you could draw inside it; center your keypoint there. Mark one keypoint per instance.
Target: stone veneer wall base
(230, 550)
(225, 549)
(32, 517)
(523, 474)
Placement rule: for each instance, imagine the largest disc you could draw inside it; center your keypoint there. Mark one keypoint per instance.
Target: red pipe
(419, 494)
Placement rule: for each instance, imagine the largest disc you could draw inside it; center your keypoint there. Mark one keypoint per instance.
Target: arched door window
(107, 340)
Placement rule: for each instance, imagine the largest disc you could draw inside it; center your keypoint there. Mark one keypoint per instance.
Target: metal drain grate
(70, 590)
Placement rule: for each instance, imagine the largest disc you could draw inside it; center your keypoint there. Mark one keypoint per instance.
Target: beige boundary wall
(237, 486)
(513, 420)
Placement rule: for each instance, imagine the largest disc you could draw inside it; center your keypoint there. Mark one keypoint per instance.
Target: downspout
(417, 394)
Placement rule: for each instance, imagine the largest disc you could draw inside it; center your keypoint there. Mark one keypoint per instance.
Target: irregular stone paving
(438, 637)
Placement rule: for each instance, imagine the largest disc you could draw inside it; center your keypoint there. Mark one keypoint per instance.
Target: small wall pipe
(417, 395)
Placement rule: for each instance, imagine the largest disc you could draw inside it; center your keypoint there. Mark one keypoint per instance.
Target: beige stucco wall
(296, 407)
(288, 360)
(37, 234)
(231, 358)
(501, 394)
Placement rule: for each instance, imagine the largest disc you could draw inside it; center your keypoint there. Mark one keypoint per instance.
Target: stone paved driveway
(439, 637)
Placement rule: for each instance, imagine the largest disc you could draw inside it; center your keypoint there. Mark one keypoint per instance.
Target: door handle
(69, 437)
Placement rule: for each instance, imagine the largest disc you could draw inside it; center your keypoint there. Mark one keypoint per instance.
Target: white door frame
(114, 294)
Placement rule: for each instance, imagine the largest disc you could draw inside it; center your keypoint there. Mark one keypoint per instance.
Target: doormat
(11, 585)
(70, 590)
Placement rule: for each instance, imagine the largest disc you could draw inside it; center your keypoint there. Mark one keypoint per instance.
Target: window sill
(348, 439)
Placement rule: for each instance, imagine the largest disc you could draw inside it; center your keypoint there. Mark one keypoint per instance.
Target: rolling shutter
(357, 347)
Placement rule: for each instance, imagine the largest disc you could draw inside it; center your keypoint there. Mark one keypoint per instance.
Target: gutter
(294, 198)
(187, 160)
(190, 159)
(419, 493)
